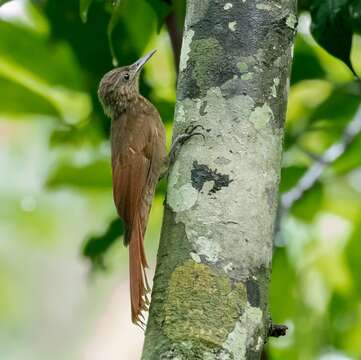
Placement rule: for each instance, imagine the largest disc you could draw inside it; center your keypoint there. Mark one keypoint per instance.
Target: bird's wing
(130, 168)
(135, 176)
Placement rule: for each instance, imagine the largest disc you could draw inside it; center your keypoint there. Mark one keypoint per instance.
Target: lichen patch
(242, 66)
(183, 199)
(276, 82)
(248, 326)
(201, 304)
(207, 248)
(206, 67)
(248, 76)
(210, 215)
(261, 116)
(187, 40)
(184, 196)
(291, 21)
(263, 6)
(195, 257)
(232, 25)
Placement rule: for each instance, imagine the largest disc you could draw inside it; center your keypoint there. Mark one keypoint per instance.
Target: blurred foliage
(94, 175)
(162, 8)
(306, 64)
(96, 246)
(333, 24)
(51, 61)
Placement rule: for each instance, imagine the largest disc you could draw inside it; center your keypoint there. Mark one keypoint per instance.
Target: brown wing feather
(129, 181)
(136, 163)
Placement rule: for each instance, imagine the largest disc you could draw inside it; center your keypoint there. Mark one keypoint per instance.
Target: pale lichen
(242, 66)
(195, 257)
(209, 248)
(187, 40)
(185, 196)
(263, 6)
(211, 215)
(196, 11)
(291, 21)
(228, 267)
(276, 82)
(243, 334)
(232, 25)
(248, 76)
(261, 116)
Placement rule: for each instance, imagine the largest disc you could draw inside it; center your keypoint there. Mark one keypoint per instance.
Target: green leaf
(355, 15)
(350, 159)
(342, 320)
(45, 69)
(17, 100)
(53, 63)
(96, 247)
(165, 108)
(353, 255)
(161, 8)
(290, 176)
(84, 8)
(96, 175)
(113, 22)
(310, 203)
(77, 136)
(340, 105)
(123, 28)
(88, 41)
(332, 27)
(306, 64)
(283, 281)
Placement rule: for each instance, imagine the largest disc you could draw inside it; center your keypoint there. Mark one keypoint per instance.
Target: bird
(139, 158)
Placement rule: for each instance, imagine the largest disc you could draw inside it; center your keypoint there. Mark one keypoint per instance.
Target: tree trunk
(210, 292)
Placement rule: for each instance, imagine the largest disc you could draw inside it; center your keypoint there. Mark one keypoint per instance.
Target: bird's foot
(182, 138)
(190, 131)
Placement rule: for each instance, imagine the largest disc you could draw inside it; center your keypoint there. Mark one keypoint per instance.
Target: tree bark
(210, 292)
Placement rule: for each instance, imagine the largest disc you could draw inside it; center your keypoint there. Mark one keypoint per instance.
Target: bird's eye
(126, 76)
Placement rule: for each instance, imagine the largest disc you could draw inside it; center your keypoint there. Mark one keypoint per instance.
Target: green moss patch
(201, 304)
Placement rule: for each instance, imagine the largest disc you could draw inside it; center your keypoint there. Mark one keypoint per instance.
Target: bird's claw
(186, 137)
(182, 138)
(190, 132)
(190, 129)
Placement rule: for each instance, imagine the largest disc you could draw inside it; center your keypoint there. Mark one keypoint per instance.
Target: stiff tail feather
(138, 279)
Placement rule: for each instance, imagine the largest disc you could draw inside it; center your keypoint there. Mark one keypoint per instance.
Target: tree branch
(315, 171)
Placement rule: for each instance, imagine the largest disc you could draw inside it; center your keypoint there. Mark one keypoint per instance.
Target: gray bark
(210, 292)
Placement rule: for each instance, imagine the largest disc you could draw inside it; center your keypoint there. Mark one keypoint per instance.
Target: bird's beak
(138, 65)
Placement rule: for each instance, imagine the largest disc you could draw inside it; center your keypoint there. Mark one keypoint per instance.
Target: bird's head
(120, 87)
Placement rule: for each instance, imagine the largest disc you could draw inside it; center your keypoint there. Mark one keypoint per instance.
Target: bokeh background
(63, 269)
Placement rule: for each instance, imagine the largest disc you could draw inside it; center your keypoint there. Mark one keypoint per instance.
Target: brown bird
(139, 158)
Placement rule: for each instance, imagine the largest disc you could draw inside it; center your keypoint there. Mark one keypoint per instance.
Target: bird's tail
(138, 279)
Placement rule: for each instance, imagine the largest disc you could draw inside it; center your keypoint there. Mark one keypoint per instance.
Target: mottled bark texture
(209, 299)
